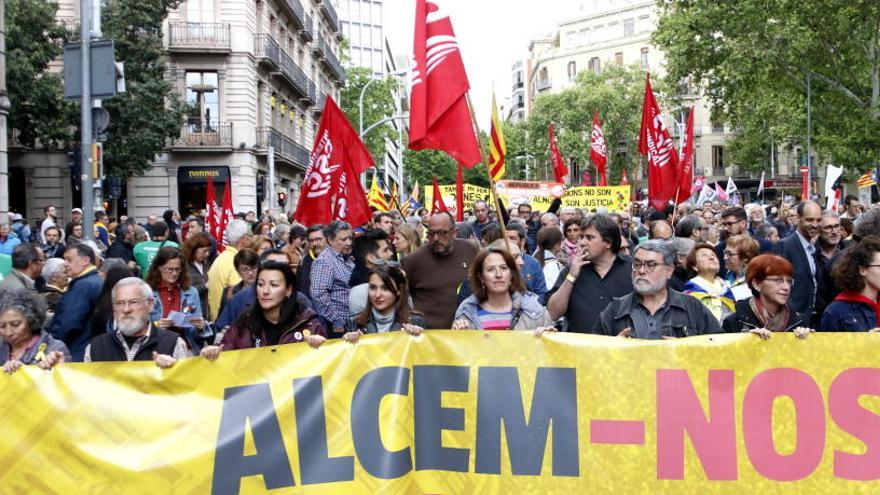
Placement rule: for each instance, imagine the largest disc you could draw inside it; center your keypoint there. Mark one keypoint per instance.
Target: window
(629, 27)
(202, 93)
(572, 71)
(644, 58)
(618, 58)
(595, 65)
(543, 80)
(200, 10)
(377, 13)
(718, 127)
(377, 38)
(718, 160)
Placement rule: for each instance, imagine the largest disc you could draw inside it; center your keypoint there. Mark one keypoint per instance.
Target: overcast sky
(492, 34)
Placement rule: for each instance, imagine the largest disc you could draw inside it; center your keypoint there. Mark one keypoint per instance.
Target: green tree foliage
(752, 59)
(378, 105)
(33, 39)
(617, 93)
(150, 112)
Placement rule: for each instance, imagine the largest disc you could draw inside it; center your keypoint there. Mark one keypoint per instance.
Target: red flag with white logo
(331, 189)
(686, 170)
(212, 211)
(559, 168)
(598, 150)
(226, 216)
(439, 117)
(437, 204)
(655, 141)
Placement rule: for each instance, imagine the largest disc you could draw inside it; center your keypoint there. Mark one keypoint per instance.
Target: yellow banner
(471, 193)
(458, 412)
(613, 198)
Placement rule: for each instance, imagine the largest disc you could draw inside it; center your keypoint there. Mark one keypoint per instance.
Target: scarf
(775, 323)
(383, 322)
(858, 297)
(569, 248)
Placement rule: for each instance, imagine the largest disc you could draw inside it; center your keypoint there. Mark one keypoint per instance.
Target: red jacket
(245, 332)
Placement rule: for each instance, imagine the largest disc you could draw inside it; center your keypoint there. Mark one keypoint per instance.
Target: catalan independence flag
(375, 198)
(866, 180)
(395, 198)
(497, 149)
(412, 204)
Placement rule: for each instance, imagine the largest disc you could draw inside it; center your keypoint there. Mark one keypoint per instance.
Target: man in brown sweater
(436, 271)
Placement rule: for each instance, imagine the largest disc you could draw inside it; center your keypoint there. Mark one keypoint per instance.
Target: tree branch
(839, 87)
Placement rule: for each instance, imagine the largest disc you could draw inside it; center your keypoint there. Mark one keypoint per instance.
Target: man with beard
(653, 310)
(436, 271)
(830, 237)
(134, 338)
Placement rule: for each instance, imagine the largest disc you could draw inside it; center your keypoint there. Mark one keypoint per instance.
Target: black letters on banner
(365, 428)
(316, 465)
(429, 383)
(249, 403)
(500, 399)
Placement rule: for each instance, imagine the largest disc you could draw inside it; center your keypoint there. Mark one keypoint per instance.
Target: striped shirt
(331, 272)
(490, 320)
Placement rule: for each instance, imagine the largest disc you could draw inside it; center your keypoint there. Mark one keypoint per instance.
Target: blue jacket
(848, 316)
(189, 298)
(9, 244)
(533, 276)
(73, 313)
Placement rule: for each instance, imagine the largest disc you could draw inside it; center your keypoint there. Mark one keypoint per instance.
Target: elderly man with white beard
(653, 310)
(134, 338)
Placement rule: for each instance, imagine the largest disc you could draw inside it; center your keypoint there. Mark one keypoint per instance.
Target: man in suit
(800, 249)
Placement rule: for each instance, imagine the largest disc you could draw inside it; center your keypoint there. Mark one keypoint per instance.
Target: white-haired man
(222, 274)
(134, 338)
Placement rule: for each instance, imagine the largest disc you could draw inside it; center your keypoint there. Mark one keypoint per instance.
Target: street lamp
(361, 131)
(529, 158)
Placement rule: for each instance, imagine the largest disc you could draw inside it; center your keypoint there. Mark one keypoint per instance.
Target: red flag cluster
(655, 141)
(331, 189)
(217, 218)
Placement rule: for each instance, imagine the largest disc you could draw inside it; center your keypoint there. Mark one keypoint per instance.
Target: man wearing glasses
(735, 221)
(653, 310)
(436, 271)
(27, 265)
(830, 237)
(134, 338)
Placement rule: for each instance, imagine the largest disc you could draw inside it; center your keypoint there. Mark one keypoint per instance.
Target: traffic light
(261, 188)
(74, 164)
(282, 199)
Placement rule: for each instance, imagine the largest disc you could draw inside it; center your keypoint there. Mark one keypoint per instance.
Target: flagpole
(675, 206)
(488, 172)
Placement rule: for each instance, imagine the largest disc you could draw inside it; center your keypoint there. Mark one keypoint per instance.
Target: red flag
(686, 170)
(698, 184)
(654, 141)
(331, 189)
(226, 216)
(598, 150)
(805, 183)
(439, 116)
(721, 193)
(559, 168)
(437, 204)
(212, 211)
(624, 180)
(459, 194)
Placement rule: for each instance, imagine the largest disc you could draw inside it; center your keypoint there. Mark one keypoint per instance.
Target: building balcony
(307, 32)
(205, 135)
(296, 10)
(317, 46)
(266, 51)
(543, 85)
(285, 148)
(293, 74)
(318, 109)
(199, 37)
(329, 13)
(332, 62)
(517, 86)
(312, 97)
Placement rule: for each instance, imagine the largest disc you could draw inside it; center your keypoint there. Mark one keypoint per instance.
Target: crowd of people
(165, 290)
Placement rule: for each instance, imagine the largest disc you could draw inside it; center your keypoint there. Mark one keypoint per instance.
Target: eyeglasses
(439, 233)
(781, 280)
(649, 266)
(830, 228)
(380, 262)
(134, 303)
(168, 269)
(730, 254)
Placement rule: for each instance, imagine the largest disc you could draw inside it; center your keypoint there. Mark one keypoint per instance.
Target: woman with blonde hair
(406, 240)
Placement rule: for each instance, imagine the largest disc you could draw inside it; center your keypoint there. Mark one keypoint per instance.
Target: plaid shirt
(180, 350)
(331, 272)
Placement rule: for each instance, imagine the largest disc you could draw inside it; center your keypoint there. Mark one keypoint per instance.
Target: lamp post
(361, 131)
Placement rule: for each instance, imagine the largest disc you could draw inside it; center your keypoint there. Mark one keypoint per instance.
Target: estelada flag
(686, 168)
(437, 204)
(497, 149)
(655, 141)
(598, 150)
(331, 189)
(376, 198)
(212, 210)
(559, 168)
(439, 117)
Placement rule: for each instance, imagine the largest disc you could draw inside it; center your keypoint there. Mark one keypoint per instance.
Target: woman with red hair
(770, 278)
